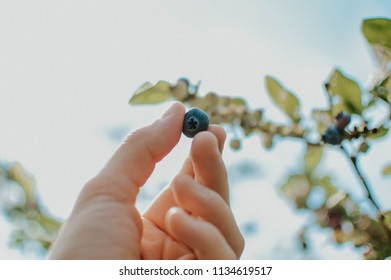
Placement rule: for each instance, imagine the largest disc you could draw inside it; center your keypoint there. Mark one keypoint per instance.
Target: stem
(353, 160)
(329, 99)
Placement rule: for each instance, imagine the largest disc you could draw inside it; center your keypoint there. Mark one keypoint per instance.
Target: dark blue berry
(342, 121)
(195, 121)
(185, 80)
(333, 136)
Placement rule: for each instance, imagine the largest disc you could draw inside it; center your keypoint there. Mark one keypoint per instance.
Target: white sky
(68, 68)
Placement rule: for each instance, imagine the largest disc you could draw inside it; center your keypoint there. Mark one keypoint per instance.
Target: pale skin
(190, 219)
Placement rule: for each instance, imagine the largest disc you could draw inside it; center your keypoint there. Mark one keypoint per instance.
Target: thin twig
(353, 160)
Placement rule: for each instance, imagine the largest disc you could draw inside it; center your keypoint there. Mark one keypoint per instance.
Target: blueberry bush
(328, 128)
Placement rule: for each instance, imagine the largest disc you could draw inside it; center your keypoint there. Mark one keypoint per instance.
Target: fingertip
(204, 143)
(179, 222)
(175, 213)
(215, 134)
(203, 238)
(180, 187)
(135, 159)
(220, 134)
(205, 153)
(191, 195)
(160, 137)
(177, 108)
(174, 216)
(181, 180)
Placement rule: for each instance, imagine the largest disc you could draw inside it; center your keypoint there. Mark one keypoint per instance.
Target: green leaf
(312, 157)
(364, 147)
(386, 84)
(50, 224)
(237, 102)
(25, 180)
(152, 94)
(387, 170)
(387, 219)
(323, 120)
(383, 89)
(297, 188)
(347, 92)
(283, 98)
(328, 187)
(377, 31)
(380, 132)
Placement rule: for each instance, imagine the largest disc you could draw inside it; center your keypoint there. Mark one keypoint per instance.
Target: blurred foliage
(284, 99)
(326, 128)
(33, 226)
(377, 31)
(387, 170)
(347, 93)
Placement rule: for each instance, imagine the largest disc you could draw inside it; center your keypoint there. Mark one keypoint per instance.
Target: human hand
(190, 219)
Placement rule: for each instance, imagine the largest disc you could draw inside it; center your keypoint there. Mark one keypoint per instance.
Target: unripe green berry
(235, 144)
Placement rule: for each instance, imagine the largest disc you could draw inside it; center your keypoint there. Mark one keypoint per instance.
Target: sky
(68, 69)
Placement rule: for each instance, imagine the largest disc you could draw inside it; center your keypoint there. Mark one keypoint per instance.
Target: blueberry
(342, 121)
(332, 135)
(195, 121)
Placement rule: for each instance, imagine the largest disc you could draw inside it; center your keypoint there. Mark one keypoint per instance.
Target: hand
(190, 219)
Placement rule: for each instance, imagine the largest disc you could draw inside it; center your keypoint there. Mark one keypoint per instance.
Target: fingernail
(170, 110)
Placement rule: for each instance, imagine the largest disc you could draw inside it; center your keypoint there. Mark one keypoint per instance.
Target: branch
(353, 160)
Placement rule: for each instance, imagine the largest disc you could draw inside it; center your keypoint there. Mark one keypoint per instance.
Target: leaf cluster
(33, 226)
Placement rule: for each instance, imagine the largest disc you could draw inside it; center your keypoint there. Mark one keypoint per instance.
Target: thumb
(135, 159)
